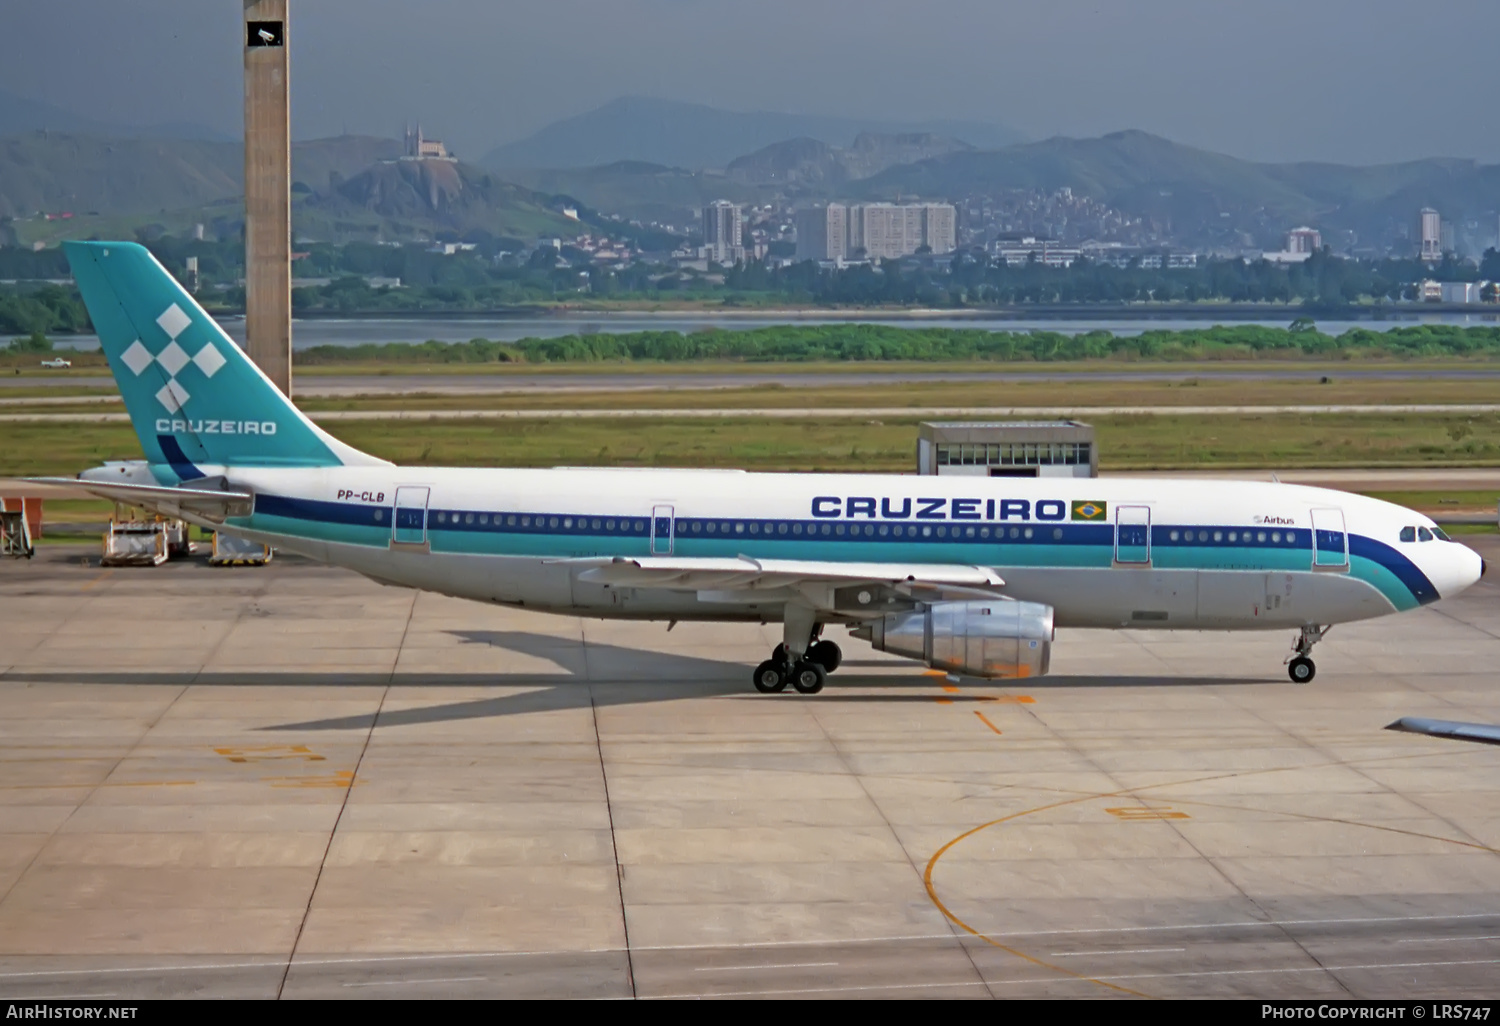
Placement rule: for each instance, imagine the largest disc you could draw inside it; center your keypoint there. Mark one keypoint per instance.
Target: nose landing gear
(1299, 666)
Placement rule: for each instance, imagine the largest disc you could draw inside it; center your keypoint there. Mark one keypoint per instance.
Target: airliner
(968, 575)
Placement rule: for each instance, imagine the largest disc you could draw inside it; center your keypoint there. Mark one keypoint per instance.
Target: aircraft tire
(827, 655)
(808, 677)
(1301, 670)
(771, 676)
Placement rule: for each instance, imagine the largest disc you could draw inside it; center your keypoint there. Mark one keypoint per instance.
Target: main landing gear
(801, 660)
(1300, 666)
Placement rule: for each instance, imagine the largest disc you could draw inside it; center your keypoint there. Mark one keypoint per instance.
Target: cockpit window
(1437, 532)
(1423, 534)
(1408, 534)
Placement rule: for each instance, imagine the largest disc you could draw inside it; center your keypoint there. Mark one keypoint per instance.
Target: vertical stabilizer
(192, 394)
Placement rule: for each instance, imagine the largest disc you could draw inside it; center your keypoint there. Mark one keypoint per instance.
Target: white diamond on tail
(172, 396)
(209, 360)
(173, 321)
(173, 358)
(137, 357)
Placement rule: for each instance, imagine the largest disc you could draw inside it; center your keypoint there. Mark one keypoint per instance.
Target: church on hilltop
(421, 148)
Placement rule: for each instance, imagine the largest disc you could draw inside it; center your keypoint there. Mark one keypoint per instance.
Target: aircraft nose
(1464, 572)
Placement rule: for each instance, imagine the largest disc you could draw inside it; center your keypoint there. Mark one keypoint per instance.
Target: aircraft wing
(212, 503)
(742, 578)
(1484, 733)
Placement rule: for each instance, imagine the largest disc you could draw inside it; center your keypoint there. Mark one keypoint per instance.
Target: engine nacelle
(995, 638)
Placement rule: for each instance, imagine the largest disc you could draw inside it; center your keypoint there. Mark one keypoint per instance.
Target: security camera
(266, 36)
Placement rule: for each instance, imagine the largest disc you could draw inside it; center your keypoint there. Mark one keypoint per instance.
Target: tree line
(862, 342)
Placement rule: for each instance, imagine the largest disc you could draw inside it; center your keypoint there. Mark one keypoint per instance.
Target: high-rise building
(940, 227)
(722, 232)
(875, 231)
(1430, 232)
(823, 233)
(1304, 240)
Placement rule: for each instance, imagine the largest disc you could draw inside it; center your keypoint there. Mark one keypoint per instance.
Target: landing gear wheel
(778, 654)
(1301, 670)
(771, 676)
(808, 677)
(826, 654)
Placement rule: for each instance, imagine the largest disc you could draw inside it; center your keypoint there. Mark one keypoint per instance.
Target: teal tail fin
(192, 394)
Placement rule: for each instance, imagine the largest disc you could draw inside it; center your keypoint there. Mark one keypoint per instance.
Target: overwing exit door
(1133, 535)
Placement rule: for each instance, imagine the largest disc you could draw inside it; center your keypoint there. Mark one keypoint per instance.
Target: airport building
(1054, 448)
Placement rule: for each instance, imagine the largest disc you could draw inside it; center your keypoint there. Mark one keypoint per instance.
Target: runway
(330, 385)
(817, 413)
(292, 781)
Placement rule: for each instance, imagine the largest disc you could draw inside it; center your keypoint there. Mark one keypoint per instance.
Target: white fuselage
(1104, 552)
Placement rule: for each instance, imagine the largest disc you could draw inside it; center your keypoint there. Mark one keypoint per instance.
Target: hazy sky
(1359, 81)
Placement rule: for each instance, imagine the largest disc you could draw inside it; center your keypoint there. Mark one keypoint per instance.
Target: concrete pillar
(268, 192)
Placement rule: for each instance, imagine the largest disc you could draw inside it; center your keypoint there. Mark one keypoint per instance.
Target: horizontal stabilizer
(1484, 733)
(204, 501)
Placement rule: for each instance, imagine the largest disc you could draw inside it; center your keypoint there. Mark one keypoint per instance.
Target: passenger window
(1408, 534)
(1233, 536)
(1057, 533)
(1219, 536)
(1173, 535)
(796, 528)
(1423, 534)
(1028, 532)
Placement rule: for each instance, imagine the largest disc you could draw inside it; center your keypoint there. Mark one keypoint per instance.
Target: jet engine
(993, 638)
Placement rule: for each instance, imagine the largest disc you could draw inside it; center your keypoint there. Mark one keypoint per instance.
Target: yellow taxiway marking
(986, 721)
(1138, 812)
(268, 753)
(341, 778)
(97, 580)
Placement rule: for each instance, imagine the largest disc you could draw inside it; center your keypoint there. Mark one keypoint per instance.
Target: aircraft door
(663, 524)
(409, 526)
(1133, 535)
(1330, 541)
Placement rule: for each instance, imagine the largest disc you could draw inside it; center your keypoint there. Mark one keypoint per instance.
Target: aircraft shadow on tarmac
(671, 677)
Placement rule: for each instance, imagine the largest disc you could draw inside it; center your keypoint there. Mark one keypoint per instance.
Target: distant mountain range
(19, 115)
(812, 163)
(694, 136)
(345, 187)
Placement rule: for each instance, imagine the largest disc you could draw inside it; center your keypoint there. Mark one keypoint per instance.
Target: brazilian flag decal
(1090, 510)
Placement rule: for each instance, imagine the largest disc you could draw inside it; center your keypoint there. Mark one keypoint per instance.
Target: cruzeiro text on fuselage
(884, 508)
